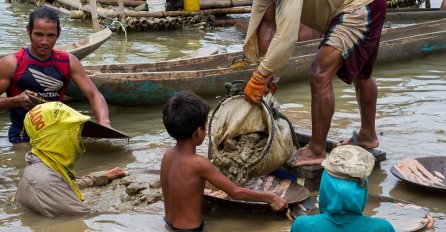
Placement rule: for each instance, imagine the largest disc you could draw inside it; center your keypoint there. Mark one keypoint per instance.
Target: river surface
(411, 121)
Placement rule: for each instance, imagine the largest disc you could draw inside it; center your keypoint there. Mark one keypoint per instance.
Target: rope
(122, 26)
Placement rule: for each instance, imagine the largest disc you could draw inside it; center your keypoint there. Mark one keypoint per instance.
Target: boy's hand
(278, 204)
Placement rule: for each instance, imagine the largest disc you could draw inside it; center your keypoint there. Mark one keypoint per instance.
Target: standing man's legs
(327, 62)
(366, 96)
(349, 50)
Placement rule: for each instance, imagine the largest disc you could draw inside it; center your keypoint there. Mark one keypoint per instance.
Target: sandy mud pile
(138, 192)
(239, 154)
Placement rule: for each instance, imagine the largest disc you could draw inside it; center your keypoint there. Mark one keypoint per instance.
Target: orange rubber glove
(259, 86)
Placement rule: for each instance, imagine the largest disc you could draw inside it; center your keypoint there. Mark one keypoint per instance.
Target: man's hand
(24, 101)
(105, 123)
(259, 86)
(115, 173)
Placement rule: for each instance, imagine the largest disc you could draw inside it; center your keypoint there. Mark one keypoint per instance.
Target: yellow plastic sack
(54, 131)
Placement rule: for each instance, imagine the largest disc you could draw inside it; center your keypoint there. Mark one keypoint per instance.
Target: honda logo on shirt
(47, 82)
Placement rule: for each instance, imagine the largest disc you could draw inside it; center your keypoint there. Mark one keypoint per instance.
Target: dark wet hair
(184, 113)
(43, 13)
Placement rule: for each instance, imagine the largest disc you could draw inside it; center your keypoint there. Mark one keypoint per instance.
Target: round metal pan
(291, 192)
(435, 167)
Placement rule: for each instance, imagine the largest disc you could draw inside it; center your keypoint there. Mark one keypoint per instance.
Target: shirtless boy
(184, 173)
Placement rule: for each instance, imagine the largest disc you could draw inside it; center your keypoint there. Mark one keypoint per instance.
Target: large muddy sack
(247, 141)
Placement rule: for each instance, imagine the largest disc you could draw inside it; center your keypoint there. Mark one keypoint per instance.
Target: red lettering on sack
(36, 118)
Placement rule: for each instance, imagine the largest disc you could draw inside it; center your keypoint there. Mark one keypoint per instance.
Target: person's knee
(318, 77)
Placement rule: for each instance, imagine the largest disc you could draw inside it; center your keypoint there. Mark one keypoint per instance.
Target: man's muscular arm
(7, 68)
(97, 101)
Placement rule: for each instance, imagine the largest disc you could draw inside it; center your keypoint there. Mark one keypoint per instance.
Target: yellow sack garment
(54, 130)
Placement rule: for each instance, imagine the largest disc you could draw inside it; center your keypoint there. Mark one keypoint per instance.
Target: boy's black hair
(184, 113)
(43, 13)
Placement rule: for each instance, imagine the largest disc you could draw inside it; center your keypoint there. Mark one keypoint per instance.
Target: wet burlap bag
(246, 140)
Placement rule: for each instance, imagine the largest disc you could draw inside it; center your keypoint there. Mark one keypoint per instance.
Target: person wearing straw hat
(343, 194)
(49, 185)
(40, 70)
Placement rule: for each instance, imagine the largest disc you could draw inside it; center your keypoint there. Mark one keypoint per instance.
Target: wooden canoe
(393, 16)
(154, 83)
(406, 15)
(84, 46)
(428, 172)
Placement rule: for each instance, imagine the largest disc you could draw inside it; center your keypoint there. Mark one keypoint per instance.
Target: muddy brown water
(411, 121)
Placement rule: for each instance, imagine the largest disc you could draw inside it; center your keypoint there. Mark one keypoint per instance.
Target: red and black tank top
(49, 79)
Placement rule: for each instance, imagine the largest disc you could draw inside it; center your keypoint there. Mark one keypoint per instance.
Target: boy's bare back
(183, 187)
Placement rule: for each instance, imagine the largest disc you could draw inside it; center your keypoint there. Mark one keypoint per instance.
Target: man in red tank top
(40, 70)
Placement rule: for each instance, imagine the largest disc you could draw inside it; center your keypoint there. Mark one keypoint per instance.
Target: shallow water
(411, 120)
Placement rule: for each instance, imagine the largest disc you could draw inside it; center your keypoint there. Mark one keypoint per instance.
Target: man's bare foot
(360, 140)
(116, 173)
(305, 156)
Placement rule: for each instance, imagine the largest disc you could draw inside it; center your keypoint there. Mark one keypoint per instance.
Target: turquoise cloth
(341, 203)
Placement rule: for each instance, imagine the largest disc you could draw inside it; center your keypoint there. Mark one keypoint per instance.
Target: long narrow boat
(84, 46)
(414, 15)
(393, 16)
(154, 83)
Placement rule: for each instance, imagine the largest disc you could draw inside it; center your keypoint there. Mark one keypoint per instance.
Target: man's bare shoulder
(74, 61)
(9, 60)
(8, 66)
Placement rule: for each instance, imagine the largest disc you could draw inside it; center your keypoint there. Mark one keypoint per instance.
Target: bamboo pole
(104, 13)
(109, 12)
(75, 5)
(212, 4)
(59, 9)
(226, 22)
(121, 11)
(204, 4)
(94, 16)
(127, 3)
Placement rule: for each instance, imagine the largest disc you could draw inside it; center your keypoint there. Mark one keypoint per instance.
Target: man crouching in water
(49, 185)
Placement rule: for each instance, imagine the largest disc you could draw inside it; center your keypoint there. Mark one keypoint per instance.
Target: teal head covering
(341, 201)
(343, 195)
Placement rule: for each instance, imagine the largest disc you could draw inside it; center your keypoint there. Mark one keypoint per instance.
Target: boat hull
(84, 46)
(154, 83)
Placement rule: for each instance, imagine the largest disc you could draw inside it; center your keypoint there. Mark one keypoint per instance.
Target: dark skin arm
(211, 174)
(97, 101)
(7, 68)
(443, 5)
(267, 29)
